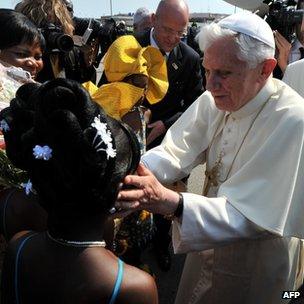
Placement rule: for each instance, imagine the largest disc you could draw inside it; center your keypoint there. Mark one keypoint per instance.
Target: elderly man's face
(231, 83)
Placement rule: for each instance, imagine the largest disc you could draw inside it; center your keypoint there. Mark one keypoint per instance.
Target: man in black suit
(185, 85)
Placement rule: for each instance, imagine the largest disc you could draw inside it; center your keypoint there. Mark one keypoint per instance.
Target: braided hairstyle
(81, 177)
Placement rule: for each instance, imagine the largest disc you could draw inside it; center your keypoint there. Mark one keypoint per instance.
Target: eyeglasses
(168, 31)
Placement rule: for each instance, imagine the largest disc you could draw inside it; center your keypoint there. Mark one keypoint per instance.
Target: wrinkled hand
(158, 128)
(283, 47)
(149, 194)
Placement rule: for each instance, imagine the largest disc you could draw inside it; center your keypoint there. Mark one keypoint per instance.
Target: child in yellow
(134, 74)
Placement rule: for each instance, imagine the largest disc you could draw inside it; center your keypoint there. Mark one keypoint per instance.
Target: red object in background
(2, 142)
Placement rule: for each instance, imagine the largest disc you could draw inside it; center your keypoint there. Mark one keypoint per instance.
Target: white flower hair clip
(4, 127)
(106, 137)
(44, 152)
(28, 187)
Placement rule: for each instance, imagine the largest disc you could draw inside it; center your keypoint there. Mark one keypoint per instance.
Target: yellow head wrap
(126, 57)
(117, 98)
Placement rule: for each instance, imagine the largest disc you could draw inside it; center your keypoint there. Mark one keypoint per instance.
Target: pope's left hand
(147, 193)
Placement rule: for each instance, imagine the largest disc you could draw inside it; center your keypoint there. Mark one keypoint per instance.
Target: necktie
(164, 54)
(301, 49)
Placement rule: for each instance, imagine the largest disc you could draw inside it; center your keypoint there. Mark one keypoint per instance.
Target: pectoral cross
(211, 179)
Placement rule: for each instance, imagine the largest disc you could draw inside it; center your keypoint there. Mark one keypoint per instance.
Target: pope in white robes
(243, 236)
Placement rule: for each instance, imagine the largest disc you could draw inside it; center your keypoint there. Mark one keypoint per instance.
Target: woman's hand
(283, 47)
(157, 128)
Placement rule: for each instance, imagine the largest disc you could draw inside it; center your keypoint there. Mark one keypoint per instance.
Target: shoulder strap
(117, 285)
(17, 261)
(8, 196)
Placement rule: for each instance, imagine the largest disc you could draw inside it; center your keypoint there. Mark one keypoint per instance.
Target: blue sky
(97, 8)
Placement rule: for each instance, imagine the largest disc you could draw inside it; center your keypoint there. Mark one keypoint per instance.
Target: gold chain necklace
(211, 176)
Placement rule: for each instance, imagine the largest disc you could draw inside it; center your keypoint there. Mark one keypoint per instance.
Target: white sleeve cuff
(163, 166)
(208, 223)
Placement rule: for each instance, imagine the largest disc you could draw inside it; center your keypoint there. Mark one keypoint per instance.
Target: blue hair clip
(4, 127)
(44, 152)
(28, 187)
(112, 210)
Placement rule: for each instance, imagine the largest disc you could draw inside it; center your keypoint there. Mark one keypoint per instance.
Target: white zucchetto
(251, 25)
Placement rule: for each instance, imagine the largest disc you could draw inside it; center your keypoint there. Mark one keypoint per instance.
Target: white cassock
(294, 76)
(243, 240)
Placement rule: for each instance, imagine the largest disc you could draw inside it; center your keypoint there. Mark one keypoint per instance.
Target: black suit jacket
(185, 83)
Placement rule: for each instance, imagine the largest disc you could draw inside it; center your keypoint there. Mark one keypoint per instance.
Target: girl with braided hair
(76, 157)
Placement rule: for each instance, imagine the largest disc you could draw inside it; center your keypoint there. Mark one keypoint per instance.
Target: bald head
(170, 23)
(177, 7)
